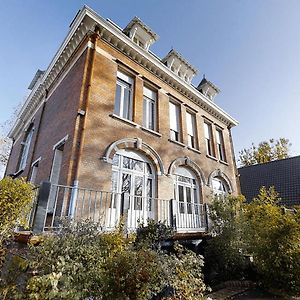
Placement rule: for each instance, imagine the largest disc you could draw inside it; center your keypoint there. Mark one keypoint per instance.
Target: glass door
(133, 181)
(188, 205)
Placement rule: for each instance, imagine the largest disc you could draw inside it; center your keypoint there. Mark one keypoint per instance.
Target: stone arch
(187, 162)
(220, 174)
(138, 145)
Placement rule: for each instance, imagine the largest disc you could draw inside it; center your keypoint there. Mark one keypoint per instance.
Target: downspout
(234, 162)
(37, 133)
(79, 133)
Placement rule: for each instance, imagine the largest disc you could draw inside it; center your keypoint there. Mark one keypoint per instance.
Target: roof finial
(204, 76)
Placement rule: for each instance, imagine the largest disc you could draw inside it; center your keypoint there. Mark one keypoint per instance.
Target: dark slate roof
(283, 174)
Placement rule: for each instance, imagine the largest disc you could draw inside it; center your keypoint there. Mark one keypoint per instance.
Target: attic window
(139, 42)
(140, 33)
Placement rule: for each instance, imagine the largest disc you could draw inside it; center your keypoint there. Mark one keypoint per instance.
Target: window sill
(151, 131)
(224, 162)
(194, 149)
(16, 174)
(217, 160)
(212, 157)
(114, 116)
(177, 143)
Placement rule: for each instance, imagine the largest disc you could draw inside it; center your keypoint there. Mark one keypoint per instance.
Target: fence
(54, 202)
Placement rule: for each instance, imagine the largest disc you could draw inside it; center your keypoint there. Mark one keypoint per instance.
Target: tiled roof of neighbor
(283, 174)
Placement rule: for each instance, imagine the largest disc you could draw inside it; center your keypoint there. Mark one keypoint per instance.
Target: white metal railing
(107, 209)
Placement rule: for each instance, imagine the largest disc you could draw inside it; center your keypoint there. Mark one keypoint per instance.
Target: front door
(132, 180)
(188, 204)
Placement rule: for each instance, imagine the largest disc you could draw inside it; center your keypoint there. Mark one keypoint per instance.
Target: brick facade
(80, 104)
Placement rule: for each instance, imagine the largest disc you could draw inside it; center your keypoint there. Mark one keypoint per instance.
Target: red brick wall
(58, 120)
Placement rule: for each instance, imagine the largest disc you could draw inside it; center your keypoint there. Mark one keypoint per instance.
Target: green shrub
(225, 255)
(16, 197)
(273, 239)
(262, 230)
(81, 262)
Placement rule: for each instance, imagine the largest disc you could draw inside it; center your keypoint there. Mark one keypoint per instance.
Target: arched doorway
(134, 186)
(188, 198)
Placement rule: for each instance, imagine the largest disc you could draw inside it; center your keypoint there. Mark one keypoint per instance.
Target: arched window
(219, 186)
(133, 176)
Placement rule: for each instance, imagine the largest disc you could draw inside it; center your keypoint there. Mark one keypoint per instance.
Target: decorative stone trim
(138, 145)
(186, 161)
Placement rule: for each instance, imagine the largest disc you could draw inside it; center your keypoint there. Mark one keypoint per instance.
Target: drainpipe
(234, 162)
(81, 118)
(37, 133)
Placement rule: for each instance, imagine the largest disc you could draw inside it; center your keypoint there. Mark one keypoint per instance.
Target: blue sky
(250, 49)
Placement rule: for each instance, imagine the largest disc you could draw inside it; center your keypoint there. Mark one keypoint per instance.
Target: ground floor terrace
(134, 176)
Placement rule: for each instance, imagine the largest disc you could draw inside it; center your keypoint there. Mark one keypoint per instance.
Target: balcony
(54, 202)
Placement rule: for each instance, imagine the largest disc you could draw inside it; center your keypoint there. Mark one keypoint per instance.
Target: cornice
(84, 23)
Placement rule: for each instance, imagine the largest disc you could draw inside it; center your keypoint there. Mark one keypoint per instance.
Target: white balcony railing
(107, 209)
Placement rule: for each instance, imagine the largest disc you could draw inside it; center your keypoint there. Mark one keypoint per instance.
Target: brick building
(117, 130)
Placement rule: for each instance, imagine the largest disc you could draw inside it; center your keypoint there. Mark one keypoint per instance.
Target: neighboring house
(283, 174)
(118, 131)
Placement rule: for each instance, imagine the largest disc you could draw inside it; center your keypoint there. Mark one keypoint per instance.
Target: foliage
(273, 239)
(4, 150)
(265, 152)
(80, 262)
(15, 202)
(185, 274)
(262, 230)
(153, 234)
(224, 255)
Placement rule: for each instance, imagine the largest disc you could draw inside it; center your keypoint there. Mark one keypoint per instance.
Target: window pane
(189, 200)
(149, 194)
(149, 113)
(118, 99)
(190, 124)
(206, 131)
(127, 104)
(174, 117)
(127, 163)
(181, 198)
(138, 191)
(126, 183)
(114, 189)
(115, 160)
(25, 149)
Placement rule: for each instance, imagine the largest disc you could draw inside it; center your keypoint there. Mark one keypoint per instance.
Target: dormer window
(177, 64)
(139, 42)
(140, 33)
(208, 89)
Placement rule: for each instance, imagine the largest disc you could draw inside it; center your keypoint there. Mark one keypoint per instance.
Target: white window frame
(221, 192)
(174, 114)
(191, 129)
(25, 148)
(220, 144)
(209, 139)
(149, 108)
(124, 82)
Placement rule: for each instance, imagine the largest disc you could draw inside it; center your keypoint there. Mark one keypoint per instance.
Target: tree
(261, 230)
(266, 151)
(224, 253)
(273, 239)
